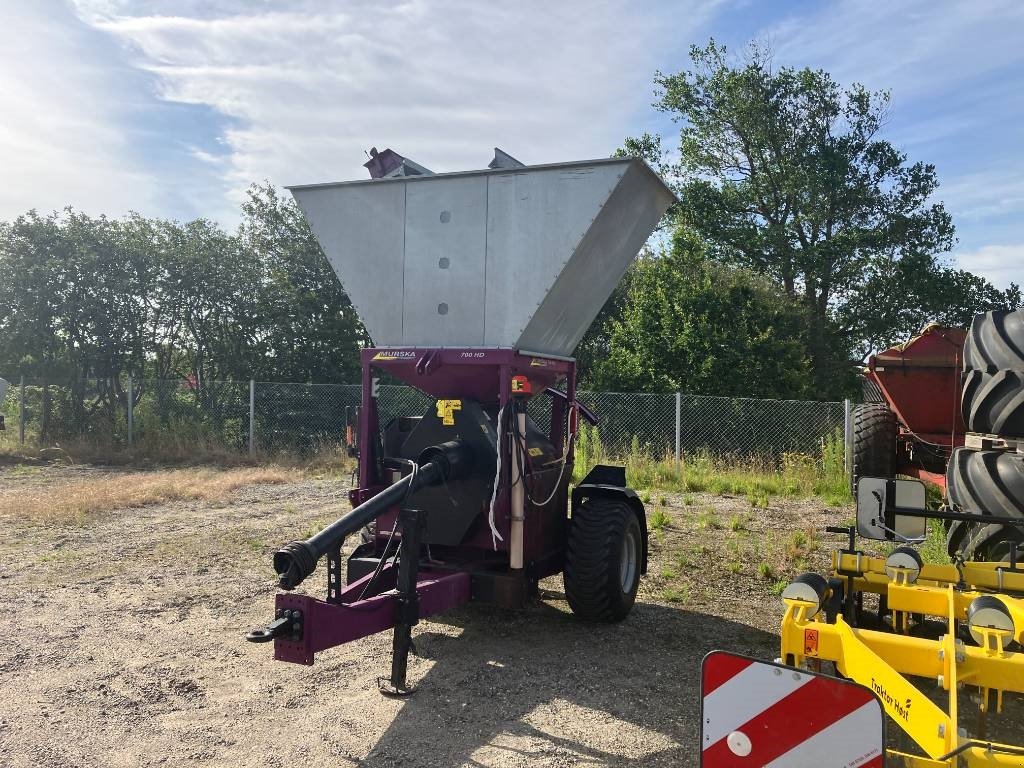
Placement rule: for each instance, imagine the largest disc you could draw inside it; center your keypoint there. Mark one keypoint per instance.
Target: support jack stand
(407, 609)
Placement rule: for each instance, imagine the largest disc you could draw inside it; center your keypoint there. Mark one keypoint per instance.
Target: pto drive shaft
(297, 559)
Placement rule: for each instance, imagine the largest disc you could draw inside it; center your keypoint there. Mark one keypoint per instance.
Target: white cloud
(1000, 264)
(312, 85)
(60, 137)
(976, 196)
(917, 47)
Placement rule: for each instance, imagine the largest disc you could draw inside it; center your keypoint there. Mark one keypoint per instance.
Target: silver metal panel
(536, 220)
(445, 243)
(361, 230)
(597, 264)
(532, 253)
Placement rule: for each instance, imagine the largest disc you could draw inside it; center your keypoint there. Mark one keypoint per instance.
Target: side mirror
(880, 499)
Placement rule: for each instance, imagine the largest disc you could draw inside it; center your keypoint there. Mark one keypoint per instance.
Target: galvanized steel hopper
(518, 258)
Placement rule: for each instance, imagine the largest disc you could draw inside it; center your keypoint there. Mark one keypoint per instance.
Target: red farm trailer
(913, 419)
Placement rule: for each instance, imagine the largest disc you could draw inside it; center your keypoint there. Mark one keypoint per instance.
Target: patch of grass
(679, 594)
(765, 572)
(733, 567)
(77, 501)
(793, 475)
(683, 561)
(779, 587)
(707, 520)
(933, 549)
(758, 499)
(738, 523)
(25, 470)
(659, 520)
(645, 497)
(668, 574)
(799, 545)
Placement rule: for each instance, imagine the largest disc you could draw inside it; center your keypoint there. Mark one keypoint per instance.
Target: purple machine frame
(478, 568)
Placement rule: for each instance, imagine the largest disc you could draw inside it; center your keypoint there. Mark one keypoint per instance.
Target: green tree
(783, 171)
(694, 325)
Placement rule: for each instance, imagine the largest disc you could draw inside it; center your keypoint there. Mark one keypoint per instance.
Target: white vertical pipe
(131, 410)
(252, 416)
(518, 510)
(848, 436)
(679, 409)
(21, 412)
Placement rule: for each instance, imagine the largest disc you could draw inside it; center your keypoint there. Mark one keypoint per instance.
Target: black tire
(602, 532)
(870, 391)
(993, 403)
(995, 341)
(985, 482)
(874, 442)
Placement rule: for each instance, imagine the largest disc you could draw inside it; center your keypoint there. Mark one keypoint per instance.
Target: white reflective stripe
(744, 697)
(847, 743)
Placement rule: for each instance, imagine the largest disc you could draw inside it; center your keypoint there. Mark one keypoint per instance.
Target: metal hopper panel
(517, 258)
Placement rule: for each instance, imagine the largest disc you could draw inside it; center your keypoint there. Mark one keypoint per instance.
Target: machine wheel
(995, 341)
(874, 442)
(993, 403)
(603, 559)
(986, 482)
(870, 391)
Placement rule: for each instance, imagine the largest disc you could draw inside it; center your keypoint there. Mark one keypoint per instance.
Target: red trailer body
(920, 381)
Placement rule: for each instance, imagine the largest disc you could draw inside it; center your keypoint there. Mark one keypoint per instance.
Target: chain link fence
(271, 417)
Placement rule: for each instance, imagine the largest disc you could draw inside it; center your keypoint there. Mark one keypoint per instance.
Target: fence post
(679, 409)
(252, 416)
(21, 411)
(131, 410)
(848, 436)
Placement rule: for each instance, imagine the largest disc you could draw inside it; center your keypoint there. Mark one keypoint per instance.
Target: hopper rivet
(443, 262)
(446, 216)
(442, 308)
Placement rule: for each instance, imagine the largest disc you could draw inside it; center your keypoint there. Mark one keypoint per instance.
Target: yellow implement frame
(882, 661)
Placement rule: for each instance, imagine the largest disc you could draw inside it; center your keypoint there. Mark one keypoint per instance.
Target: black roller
(808, 587)
(995, 342)
(993, 403)
(874, 442)
(988, 612)
(986, 483)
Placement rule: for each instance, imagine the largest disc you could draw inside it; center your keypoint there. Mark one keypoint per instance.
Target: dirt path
(123, 646)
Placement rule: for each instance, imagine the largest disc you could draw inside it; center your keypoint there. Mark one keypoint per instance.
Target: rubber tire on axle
(993, 403)
(985, 482)
(874, 442)
(593, 559)
(995, 341)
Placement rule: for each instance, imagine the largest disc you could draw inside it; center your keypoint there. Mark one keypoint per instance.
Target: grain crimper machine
(476, 288)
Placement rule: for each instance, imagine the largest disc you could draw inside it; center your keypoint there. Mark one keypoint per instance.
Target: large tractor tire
(603, 560)
(870, 391)
(874, 442)
(993, 403)
(995, 341)
(988, 483)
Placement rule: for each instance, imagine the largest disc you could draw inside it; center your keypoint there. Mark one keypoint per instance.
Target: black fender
(609, 482)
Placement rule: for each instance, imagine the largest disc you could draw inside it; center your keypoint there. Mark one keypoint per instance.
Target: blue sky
(173, 107)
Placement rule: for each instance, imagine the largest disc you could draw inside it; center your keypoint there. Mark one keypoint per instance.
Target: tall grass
(795, 475)
(77, 501)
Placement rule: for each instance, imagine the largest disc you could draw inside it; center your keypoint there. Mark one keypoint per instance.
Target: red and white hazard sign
(755, 713)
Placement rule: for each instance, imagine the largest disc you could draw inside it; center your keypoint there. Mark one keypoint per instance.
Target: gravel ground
(123, 644)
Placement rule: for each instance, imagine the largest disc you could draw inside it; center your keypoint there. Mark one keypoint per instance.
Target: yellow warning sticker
(535, 451)
(446, 411)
